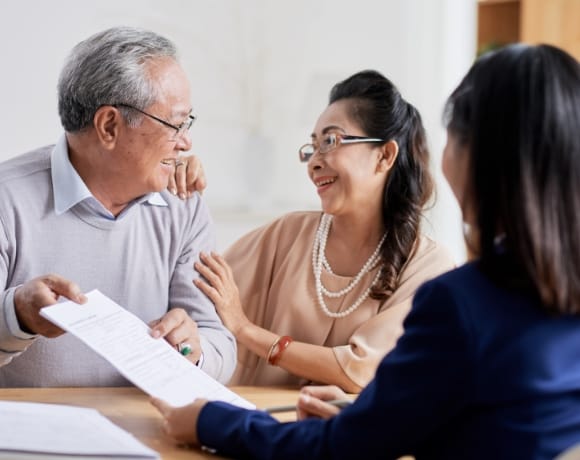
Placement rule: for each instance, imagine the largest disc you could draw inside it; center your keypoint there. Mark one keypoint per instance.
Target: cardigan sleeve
(13, 341)
(217, 342)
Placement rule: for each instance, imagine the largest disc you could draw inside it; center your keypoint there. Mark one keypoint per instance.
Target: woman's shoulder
(292, 224)
(299, 219)
(428, 247)
(429, 259)
(466, 282)
(468, 294)
(288, 229)
(465, 273)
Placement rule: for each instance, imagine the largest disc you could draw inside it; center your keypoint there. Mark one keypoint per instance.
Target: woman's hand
(180, 423)
(189, 177)
(311, 401)
(221, 288)
(178, 329)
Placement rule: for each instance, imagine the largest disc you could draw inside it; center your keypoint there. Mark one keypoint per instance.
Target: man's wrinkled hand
(177, 327)
(41, 292)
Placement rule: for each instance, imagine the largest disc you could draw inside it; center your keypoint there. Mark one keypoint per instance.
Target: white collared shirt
(69, 188)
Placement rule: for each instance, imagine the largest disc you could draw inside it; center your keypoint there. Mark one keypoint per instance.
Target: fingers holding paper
(40, 292)
(180, 423)
(219, 285)
(177, 327)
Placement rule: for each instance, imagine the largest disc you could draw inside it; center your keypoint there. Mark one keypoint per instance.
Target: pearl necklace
(319, 261)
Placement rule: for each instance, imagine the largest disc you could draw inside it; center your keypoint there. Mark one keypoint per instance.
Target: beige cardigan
(272, 266)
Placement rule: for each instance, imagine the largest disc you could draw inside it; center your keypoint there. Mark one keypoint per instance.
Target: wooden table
(130, 409)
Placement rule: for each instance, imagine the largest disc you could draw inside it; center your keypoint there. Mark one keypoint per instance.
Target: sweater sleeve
(418, 387)
(217, 343)
(12, 340)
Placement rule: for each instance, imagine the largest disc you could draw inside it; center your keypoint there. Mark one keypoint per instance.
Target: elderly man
(92, 212)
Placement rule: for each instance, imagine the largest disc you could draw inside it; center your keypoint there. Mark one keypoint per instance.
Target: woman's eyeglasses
(330, 142)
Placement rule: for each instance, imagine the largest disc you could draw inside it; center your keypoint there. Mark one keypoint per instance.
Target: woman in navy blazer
(489, 364)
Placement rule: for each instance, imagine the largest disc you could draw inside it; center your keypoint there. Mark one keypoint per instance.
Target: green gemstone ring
(184, 348)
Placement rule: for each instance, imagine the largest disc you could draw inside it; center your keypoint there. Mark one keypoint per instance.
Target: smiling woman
(321, 296)
(488, 365)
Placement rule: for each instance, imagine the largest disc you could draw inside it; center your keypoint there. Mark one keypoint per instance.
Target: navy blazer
(481, 372)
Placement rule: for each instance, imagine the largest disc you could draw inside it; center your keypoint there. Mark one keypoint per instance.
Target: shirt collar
(68, 187)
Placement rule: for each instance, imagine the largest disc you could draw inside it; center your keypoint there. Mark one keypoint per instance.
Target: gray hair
(109, 68)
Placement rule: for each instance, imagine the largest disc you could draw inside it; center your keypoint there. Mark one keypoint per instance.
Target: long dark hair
(518, 113)
(380, 110)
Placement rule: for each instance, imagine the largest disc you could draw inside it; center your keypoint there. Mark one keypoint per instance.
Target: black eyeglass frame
(179, 130)
(342, 139)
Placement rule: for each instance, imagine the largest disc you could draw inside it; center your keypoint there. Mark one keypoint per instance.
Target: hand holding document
(125, 341)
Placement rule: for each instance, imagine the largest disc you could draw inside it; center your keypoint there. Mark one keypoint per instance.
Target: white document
(55, 431)
(125, 341)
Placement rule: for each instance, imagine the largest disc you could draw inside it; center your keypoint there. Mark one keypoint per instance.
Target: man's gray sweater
(143, 261)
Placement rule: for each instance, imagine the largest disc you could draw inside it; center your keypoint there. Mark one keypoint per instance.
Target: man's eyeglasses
(179, 129)
(330, 142)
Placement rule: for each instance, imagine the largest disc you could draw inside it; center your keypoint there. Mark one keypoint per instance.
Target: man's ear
(107, 121)
(389, 152)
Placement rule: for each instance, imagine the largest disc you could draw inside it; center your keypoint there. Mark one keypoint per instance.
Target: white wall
(260, 71)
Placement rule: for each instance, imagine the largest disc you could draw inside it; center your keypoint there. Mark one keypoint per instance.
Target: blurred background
(261, 72)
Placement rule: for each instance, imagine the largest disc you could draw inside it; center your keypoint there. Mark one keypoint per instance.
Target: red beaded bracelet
(277, 348)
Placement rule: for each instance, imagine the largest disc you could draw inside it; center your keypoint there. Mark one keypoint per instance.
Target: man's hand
(40, 292)
(189, 177)
(178, 329)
